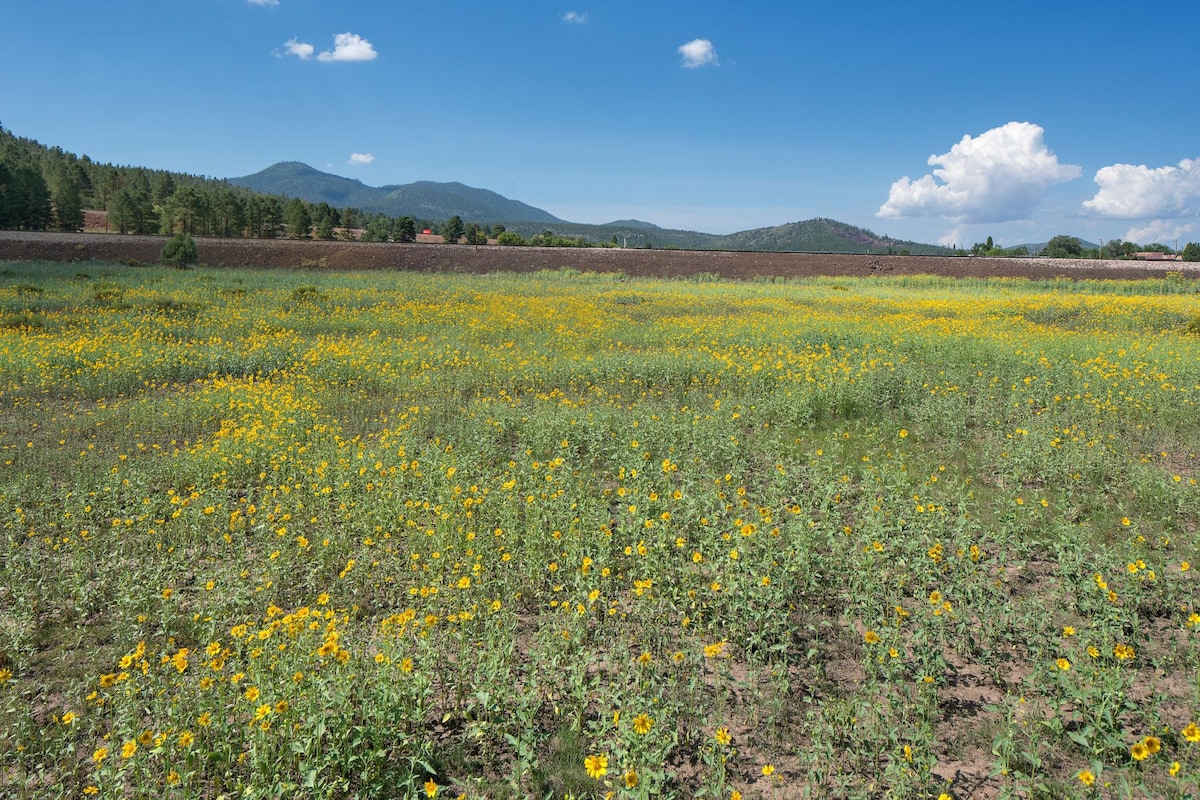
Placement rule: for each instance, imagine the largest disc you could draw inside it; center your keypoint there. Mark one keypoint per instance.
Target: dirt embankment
(290, 253)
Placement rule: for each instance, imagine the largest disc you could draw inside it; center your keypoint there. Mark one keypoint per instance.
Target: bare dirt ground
(294, 254)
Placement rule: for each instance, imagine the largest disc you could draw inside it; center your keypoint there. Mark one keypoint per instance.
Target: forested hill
(822, 236)
(420, 200)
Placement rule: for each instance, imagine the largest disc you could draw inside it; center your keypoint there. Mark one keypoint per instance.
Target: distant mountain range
(440, 201)
(420, 200)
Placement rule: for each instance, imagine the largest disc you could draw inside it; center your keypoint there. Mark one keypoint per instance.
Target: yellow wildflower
(596, 766)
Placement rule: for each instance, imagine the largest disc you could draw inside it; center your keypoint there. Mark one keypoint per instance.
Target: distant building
(1157, 257)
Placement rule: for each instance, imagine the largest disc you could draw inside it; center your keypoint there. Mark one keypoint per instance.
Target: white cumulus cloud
(349, 47)
(301, 50)
(1160, 230)
(361, 158)
(346, 47)
(1140, 192)
(998, 176)
(575, 17)
(953, 238)
(698, 53)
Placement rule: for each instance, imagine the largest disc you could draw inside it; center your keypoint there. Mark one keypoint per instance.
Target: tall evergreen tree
(68, 200)
(33, 206)
(183, 211)
(229, 213)
(7, 191)
(271, 217)
(163, 186)
(454, 230)
(120, 211)
(406, 229)
(299, 220)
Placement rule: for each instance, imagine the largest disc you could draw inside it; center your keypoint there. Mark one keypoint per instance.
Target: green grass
(310, 534)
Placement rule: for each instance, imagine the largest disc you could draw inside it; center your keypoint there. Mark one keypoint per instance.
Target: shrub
(179, 252)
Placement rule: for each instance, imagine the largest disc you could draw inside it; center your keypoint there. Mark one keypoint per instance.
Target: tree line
(46, 188)
(1073, 247)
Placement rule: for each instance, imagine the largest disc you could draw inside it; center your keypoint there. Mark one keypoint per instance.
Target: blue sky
(929, 120)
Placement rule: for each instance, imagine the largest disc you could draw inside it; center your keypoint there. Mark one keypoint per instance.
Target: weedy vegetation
(311, 534)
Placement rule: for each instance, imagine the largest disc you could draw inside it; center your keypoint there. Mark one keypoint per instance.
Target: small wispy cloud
(361, 158)
(698, 53)
(264, 2)
(346, 47)
(297, 48)
(575, 17)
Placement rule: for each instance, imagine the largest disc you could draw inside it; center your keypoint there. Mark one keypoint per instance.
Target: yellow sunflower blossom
(596, 766)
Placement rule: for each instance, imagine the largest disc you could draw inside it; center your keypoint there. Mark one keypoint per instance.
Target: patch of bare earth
(429, 257)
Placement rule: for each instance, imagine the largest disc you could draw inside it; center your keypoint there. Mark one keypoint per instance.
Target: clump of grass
(306, 294)
(24, 319)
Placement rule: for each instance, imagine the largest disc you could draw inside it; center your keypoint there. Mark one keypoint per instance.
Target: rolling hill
(822, 236)
(421, 200)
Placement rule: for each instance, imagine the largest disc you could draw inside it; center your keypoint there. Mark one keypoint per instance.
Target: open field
(288, 533)
(294, 253)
